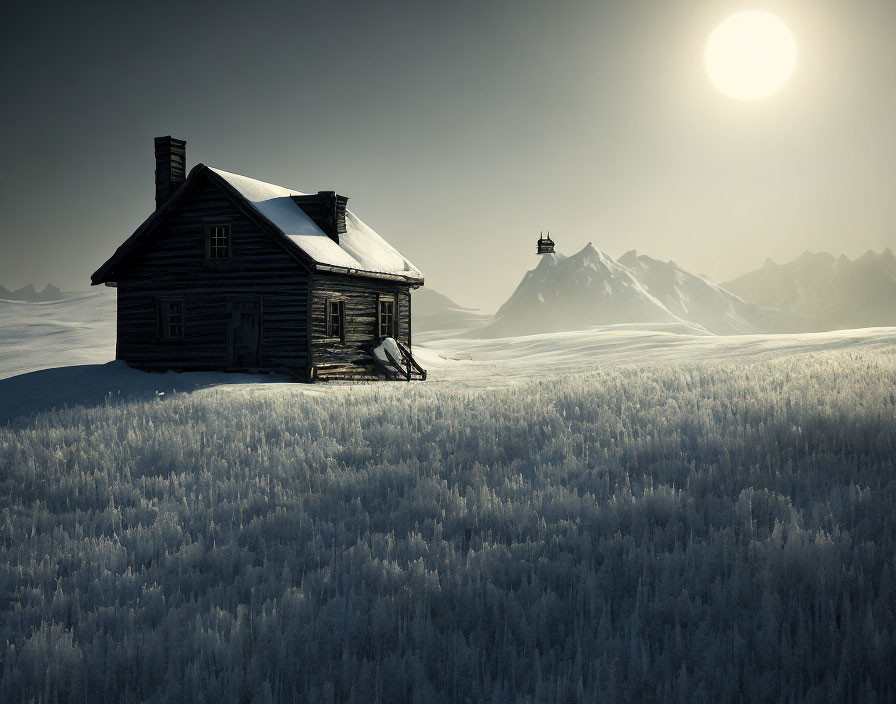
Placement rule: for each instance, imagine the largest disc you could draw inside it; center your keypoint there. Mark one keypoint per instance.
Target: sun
(750, 55)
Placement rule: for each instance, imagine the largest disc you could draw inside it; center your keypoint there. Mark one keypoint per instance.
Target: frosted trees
(709, 530)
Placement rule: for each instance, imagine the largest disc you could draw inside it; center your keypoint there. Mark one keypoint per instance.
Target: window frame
(164, 315)
(386, 298)
(328, 323)
(208, 227)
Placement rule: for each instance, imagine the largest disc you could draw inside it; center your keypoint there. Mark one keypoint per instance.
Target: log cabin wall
(172, 263)
(351, 358)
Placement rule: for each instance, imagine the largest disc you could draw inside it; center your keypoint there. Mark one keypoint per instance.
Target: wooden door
(243, 332)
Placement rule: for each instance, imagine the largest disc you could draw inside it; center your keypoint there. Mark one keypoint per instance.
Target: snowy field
(77, 330)
(57, 355)
(611, 515)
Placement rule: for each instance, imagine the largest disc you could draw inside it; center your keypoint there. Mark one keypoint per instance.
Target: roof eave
(414, 281)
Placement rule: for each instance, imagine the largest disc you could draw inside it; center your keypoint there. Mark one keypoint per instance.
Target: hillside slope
(833, 292)
(699, 300)
(79, 329)
(432, 311)
(570, 293)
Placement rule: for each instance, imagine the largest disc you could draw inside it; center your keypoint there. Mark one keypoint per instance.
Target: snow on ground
(388, 345)
(79, 329)
(491, 362)
(59, 354)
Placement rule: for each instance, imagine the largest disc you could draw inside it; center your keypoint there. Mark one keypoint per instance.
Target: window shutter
(395, 316)
(341, 331)
(379, 317)
(160, 318)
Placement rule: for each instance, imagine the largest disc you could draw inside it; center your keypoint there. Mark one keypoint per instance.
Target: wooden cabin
(230, 273)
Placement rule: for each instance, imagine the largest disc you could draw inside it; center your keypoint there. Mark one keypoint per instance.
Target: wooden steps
(405, 368)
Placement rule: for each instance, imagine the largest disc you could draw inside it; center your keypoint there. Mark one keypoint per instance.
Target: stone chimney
(171, 167)
(327, 209)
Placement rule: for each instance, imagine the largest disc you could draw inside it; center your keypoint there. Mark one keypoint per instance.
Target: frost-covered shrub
(703, 531)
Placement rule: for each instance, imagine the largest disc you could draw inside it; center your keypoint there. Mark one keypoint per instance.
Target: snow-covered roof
(359, 248)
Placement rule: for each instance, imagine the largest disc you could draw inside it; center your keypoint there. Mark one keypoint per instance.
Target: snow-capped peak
(696, 298)
(567, 293)
(825, 291)
(547, 261)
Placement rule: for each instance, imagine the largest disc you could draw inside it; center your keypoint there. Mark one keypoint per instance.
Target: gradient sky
(458, 130)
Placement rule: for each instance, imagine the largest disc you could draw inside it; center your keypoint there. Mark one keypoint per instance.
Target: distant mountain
(829, 292)
(699, 300)
(28, 293)
(433, 311)
(571, 293)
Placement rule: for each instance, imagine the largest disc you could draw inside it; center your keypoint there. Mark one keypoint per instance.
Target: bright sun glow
(750, 55)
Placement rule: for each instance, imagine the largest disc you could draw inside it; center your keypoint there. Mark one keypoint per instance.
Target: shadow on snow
(89, 385)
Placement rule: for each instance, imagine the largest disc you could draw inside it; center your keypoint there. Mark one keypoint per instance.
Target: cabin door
(243, 332)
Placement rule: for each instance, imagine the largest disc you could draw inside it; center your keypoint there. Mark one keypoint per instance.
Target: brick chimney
(171, 167)
(327, 209)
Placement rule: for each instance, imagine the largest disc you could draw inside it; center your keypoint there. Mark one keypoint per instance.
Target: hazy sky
(458, 129)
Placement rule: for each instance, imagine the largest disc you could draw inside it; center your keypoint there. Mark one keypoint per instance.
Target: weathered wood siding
(334, 358)
(173, 263)
(404, 316)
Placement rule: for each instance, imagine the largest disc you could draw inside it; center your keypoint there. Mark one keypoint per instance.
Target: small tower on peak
(545, 243)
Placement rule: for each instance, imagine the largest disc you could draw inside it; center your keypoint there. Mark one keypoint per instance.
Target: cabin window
(217, 243)
(386, 317)
(170, 318)
(336, 318)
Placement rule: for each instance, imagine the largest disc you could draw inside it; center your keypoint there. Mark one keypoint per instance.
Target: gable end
(198, 175)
